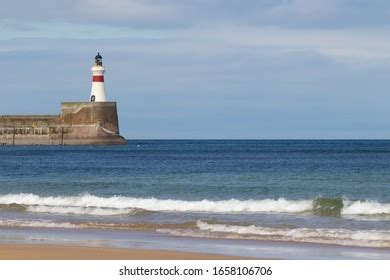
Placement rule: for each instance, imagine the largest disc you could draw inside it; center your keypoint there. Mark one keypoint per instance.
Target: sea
(242, 197)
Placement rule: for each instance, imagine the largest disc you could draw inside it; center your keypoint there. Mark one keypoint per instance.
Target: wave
(41, 223)
(87, 204)
(361, 238)
(365, 208)
(76, 210)
(13, 207)
(54, 224)
(218, 230)
(36, 224)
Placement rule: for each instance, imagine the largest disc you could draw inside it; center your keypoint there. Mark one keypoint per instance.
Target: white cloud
(127, 11)
(370, 45)
(310, 9)
(179, 13)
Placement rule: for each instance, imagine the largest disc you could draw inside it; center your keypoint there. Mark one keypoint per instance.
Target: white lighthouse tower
(97, 92)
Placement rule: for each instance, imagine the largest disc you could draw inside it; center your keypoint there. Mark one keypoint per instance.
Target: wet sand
(57, 252)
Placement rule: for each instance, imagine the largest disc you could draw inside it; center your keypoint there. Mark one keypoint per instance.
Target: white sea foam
(40, 204)
(87, 204)
(35, 223)
(365, 208)
(96, 211)
(297, 233)
(370, 238)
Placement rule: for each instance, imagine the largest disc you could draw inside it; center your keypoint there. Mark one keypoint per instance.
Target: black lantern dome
(99, 59)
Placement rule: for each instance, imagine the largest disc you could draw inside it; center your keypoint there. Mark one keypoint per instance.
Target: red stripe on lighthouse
(98, 79)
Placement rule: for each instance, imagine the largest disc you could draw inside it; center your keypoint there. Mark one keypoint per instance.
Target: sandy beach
(56, 252)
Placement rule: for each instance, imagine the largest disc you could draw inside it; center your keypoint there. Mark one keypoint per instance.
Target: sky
(206, 69)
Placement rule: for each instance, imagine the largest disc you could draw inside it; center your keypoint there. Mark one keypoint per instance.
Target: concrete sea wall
(79, 123)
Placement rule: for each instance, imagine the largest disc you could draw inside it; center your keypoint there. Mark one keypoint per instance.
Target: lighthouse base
(79, 123)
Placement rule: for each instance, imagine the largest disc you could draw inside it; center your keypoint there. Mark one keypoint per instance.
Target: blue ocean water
(333, 192)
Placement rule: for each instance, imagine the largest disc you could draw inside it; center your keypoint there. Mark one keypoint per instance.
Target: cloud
(184, 13)
(339, 44)
(143, 13)
(16, 27)
(135, 13)
(369, 46)
(313, 10)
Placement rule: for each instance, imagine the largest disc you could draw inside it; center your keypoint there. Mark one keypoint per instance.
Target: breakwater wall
(79, 123)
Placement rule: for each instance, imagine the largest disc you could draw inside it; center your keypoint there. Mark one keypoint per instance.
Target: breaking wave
(221, 230)
(76, 210)
(365, 208)
(13, 207)
(87, 204)
(362, 238)
(35, 224)
(42, 223)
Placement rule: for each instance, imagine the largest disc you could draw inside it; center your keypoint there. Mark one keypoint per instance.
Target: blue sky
(213, 69)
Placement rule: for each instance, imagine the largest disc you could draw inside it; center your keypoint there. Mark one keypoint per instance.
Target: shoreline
(297, 243)
(35, 243)
(10, 251)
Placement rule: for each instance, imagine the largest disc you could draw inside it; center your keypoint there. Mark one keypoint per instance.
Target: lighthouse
(97, 92)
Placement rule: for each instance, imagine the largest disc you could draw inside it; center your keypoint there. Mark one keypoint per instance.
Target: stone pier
(79, 123)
